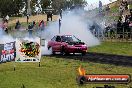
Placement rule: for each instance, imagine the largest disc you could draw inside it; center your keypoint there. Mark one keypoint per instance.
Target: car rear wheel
(63, 51)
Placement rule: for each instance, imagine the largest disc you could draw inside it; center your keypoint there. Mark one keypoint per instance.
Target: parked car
(66, 44)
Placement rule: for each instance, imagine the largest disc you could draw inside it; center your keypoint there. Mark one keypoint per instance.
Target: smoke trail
(45, 50)
(5, 38)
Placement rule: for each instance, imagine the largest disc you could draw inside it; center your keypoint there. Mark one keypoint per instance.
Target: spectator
(5, 26)
(126, 5)
(120, 19)
(107, 8)
(119, 26)
(131, 11)
(49, 15)
(123, 18)
(30, 30)
(121, 9)
(42, 25)
(130, 24)
(130, 18)
(7, 18)
(17, 25)
(61, 13)
(27, 18)
(34, 23)
(126, 26)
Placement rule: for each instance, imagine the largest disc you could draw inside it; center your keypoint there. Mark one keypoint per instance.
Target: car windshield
(70, 39)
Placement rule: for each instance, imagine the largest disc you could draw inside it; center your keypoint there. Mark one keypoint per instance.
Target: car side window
(58, 39)
(63, 39)
(54, 38)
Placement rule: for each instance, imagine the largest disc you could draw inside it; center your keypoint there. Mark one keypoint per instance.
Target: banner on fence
(28, 50)
(7, 52)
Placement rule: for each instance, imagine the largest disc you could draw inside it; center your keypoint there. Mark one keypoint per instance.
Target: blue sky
(94, 3)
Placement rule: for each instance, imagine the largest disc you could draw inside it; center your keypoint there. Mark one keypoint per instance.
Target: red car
(66, 44)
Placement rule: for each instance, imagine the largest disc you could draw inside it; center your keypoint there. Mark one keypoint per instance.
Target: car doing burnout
(66, 44)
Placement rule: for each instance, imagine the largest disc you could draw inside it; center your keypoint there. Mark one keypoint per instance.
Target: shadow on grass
(103, 58)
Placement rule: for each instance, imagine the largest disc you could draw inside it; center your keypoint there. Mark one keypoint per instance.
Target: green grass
(62, 72)
(130, 6)
(119, 48)
(114, 9)
(55, 73)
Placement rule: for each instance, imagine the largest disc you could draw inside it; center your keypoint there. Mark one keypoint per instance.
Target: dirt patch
(36, 18)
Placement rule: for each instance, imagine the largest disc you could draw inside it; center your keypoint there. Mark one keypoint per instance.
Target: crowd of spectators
(123, 7)
(4, 24)
(124, 23)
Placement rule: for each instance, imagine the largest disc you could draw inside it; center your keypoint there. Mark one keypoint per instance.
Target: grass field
(119, 48)
(54, 73)
(62, 72)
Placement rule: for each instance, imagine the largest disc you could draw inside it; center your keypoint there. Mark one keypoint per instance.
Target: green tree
(11, 7)
(61, 4)
(45, 4)
(64, 4)
(33, 4)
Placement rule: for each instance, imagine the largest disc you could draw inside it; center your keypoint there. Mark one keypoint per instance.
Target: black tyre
(83, 53)
(63, 50)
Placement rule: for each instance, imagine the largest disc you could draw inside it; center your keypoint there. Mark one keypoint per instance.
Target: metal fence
(115, 36)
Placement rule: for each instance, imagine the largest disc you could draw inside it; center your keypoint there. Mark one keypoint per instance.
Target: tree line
(19, 7)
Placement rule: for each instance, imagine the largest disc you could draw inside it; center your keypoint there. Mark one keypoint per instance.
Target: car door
(52, 43)
(58, 44)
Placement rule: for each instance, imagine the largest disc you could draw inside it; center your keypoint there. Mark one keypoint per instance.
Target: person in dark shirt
(61, 13)
(119, 27)
(27, 18)
(49, 15)
(30, 30)
(17, 25)
(126, 26)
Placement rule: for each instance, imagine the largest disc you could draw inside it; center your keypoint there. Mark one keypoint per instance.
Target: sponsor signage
(102, 78)
(28, 50)
(7, 52)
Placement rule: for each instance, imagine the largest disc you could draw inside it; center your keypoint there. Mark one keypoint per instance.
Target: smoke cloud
(5, 38)
(72, 24)
(45, 50)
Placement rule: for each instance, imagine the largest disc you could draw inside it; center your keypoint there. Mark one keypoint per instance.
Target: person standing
(17, 25)
(61, 13)
(31, 27)
(7, 18)
(30, 30)
(5, 26)
(42, 25)
(100, 7)
(49, 15)
(27, 18)
(121, 10)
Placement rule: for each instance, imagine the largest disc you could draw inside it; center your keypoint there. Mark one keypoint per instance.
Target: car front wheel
(83, 53)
